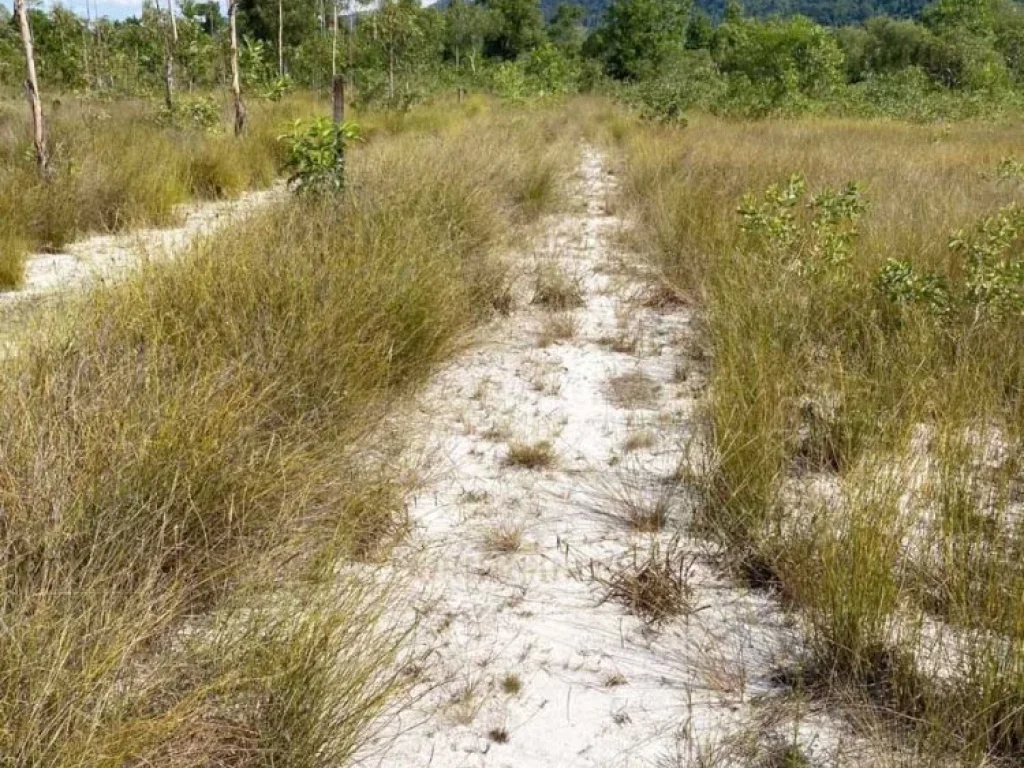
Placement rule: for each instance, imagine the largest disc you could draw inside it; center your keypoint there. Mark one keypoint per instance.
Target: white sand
(598, 687)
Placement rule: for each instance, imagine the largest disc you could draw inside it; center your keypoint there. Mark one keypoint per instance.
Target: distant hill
(830, 12)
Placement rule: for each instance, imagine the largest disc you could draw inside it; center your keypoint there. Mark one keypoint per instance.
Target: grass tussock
(183, 465)
(867, 441)
(654, 585)
(539, 455)
(555, 289)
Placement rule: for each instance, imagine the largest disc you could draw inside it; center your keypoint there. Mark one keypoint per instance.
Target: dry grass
(556, 328)
(555, 289)
(633, 390)
(512, 684)
(505, 538)
(183, 464)
(653, 585)
(539, 455)
(865, 455)
(114, 167)
(642, 440)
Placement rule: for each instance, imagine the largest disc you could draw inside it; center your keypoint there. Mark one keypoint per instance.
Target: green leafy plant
(201, 113)
(992, 285)
(316, 154)
(817, 238)
(1010, 169)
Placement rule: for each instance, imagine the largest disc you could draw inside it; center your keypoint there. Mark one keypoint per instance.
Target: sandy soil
(527, 663)
(104, 257)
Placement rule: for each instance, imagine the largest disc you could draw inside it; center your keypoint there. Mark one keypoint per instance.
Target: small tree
(32, 88)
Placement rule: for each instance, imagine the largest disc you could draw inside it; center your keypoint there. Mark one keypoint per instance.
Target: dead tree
(236, 79)
(35, 104)
(280, 38)
(170, 49)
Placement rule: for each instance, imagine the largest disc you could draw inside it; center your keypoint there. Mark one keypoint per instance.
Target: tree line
(673, 51)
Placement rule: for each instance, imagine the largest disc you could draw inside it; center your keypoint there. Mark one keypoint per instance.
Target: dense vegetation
(953, 58)
(832, 12)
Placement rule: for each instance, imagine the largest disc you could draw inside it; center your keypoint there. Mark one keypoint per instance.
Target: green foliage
(316, 155)
(518, 27)
(991, 280)
(1010, 169)
(816, 240)
(637, 36)
(201, 113)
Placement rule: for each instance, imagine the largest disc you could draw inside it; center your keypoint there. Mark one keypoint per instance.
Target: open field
(729, 474)
(863, 451)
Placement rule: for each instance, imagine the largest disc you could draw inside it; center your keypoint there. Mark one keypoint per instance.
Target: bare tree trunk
(236, 80)
(35, 104)
(168, 77)
(174, 22)
(280, 38)
(170, 46)
(351, 37)
(334, 44)
(391, 72)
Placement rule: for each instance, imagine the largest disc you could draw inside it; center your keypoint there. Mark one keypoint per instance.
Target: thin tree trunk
(32, 88)
(334, 44)
(351, 37)
(391, 72)
(236, 80)
(280, 38)
(170, 46)
(174, 22)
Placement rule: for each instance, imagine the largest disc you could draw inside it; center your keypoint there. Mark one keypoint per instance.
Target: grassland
(191, 468)
(864, 457)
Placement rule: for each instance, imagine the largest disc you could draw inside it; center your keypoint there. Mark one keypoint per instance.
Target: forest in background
(948, 59)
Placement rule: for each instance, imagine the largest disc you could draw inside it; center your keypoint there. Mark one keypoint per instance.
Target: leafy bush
(316, 154)
(201, 113)
(992, 282)
(818, 243)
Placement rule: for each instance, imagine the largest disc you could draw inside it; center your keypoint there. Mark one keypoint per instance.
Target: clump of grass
(539, 455)
(556, 328)
(512, 684)
(614, 680)
(654, 585)
(499, 735)
(505, 538)
(633, 390)
(640, 441)
(555, 289)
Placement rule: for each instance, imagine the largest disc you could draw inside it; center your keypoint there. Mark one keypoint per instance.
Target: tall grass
(116, 166)
(866, 457)
(186, 457)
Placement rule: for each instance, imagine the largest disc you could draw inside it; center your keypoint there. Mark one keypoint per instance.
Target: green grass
(819, 379)
(183, 466)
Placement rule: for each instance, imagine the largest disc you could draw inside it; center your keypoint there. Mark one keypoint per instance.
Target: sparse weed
(555, 289)
(557, 327)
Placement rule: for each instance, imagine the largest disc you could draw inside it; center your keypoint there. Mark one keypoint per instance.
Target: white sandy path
(104, 257)
(598, 688)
